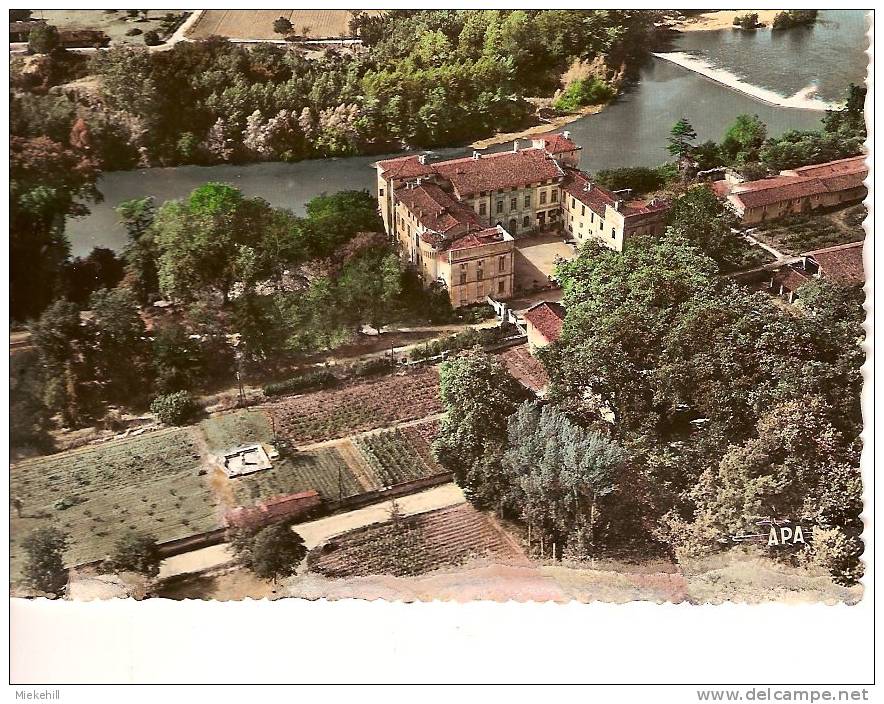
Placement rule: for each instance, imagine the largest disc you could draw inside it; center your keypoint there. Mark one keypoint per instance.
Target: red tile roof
(477, 238)
(499, 171)
(404, 167)
(831, 177)
(841, 265)
(547, 318)
(831, 168)
(789, 277)
(559, 143)
(597, 197)
(435, 209)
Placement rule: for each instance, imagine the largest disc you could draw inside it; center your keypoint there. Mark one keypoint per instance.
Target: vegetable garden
(415, 544)
(358, 407)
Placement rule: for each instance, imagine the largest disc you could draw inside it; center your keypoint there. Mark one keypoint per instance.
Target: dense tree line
(682, 408)
(427, 78)
(246, 282)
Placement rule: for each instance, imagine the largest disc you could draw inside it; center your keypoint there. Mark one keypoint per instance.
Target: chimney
(516, 145)
(587, 186)
(566, 134)
(422, 158)
(476, 156)
(617, 204)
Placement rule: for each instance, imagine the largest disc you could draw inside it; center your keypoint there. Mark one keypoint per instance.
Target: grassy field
(258, 24)
(114, 23)
(229, 430)
(150, 483)
(804, 233)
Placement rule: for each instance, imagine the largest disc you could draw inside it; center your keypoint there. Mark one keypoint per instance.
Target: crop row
(393, 457)
(358, 407)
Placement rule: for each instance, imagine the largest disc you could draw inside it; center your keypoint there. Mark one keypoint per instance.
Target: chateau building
(459, 221)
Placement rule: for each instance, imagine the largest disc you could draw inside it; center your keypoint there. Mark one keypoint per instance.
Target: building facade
(458, 221)
(797, 191)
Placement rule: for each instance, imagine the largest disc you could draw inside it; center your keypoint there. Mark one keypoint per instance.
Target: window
(479, 274)
(582, 210)
(500, 286)
(513, 225)
(542, 197)
(513, 203)
(613, 233)
(381, 192)
(592, 217)
(481, 208)
(500, 206)
(463, 277)
(573, 202)
(501, 264)
(526, 221)
(527, 200)
(555, 196)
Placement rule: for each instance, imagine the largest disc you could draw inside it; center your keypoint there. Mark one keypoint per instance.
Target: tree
(174, 408)
(177, 359)
(44, 568)
(743, 139)
(479, 395)
(283, 26)
(121, 352)
(557, 474)
(701, 218)
(271, 552)
(48, 182)
(681, 139)
(152, 38)
(43, 39)
(85, 275)
(136, 552)
(29, 417)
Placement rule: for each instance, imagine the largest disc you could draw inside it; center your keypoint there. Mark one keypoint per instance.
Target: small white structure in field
(247, 459)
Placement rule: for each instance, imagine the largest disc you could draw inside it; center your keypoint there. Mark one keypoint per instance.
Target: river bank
(721, 19)
(550, 125)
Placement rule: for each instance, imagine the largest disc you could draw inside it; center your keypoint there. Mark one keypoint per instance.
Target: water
(630, 132)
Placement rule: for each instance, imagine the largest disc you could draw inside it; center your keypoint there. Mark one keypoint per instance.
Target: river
(630, 132)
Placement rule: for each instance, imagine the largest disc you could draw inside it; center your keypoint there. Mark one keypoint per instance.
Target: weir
(802, 100)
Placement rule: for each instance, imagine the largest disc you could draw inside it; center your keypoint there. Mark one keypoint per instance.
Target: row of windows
(501, 283)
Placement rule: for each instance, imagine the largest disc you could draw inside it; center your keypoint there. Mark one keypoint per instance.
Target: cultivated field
(357, 407)
(394, 456)
(325, 470)
(803, 233)
(524, 367)
(415, 544)
(150, 483)
(258, 24)
(229, 430)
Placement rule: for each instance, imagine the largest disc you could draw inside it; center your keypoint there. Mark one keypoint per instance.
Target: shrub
(134, 32)
(839, 554)
(173, 409)
(43, 39)
(794, 18)
(584, 91)
(136, 552)
(640, 179)
(371, 367)
(747, 21)
(317, 379)
(44, 567)
(152, 38)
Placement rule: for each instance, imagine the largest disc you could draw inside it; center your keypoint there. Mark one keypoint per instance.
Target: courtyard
(535, 261)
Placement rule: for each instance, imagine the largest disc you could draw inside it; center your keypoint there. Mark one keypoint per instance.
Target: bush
(151, 38)
(838, 553)
(371, 367)
(318, 379)
(44, 567)
(136, 552)
(486, 337)
(43, 39)
(584, 91)
(640, 179)
(173, 409)
(134, 32)
(747, 21)
(794, 18)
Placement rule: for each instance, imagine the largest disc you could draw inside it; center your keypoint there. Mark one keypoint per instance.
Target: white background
(360, 642)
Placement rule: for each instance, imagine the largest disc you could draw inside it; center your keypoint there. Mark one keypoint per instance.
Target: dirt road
(315, 532)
